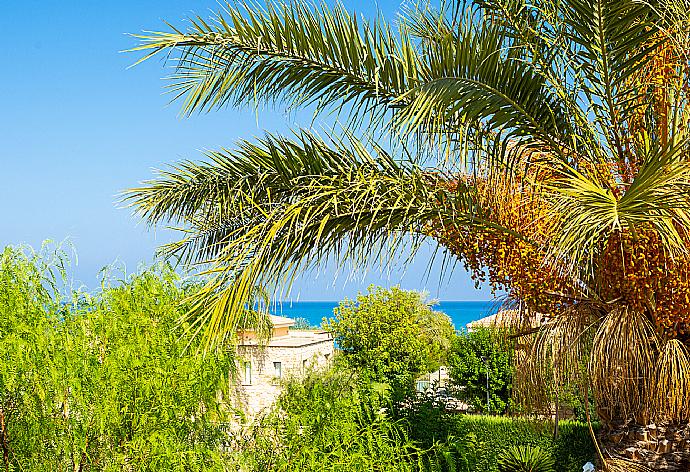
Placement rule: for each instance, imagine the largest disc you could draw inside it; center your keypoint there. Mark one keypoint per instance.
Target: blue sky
(77, 127)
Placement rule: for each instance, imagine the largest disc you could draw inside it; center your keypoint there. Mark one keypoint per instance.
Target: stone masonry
(289, 353)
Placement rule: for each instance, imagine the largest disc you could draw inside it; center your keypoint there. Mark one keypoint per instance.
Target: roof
(292, 339)
(502, 319)
(278, 321)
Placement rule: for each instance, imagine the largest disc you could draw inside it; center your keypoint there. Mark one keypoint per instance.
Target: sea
(460, 312)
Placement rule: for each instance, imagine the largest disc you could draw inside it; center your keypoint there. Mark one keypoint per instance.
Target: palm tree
(543, 143)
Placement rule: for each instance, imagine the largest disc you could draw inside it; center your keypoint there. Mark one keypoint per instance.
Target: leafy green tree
(471, 355)
(392, 334)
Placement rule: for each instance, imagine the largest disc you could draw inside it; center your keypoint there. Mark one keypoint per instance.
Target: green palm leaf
(277, 207)
(610, 41)
(476, 74)
(287, 52)
(586, 211)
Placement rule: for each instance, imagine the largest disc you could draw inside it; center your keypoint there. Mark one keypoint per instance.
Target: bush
(526, 459)
(571, 449)
(429, 425)
(392, 335)
(104, 382)
(470, 355)
(328, 422)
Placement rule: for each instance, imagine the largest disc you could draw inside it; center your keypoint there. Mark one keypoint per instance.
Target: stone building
(288, 353)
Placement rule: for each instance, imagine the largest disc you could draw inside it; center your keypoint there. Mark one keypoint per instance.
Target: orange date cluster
(633, 269)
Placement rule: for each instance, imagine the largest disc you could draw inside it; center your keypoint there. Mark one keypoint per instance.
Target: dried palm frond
(531, 382)
(557, 355)
(671, 395)
(567, 343)
(622, 361)
(625, 465)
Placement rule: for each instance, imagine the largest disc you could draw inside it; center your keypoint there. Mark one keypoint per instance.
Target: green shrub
(571, 449)
(328, 422)
(103, 382)
(526, 459)
(429, 425)
(452, 455)
(470, 355)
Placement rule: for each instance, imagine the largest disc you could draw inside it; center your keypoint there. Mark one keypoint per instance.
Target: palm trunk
(659, 446)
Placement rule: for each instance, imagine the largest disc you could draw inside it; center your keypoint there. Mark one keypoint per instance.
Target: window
(278, 370)
(248, 373)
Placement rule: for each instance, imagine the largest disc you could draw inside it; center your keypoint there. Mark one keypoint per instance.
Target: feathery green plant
(526, 459)
(103, 382)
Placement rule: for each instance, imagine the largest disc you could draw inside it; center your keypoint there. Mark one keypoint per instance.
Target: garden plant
(104, 382)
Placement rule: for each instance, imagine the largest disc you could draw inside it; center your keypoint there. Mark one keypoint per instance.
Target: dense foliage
(329, 422)
(337, 421)
(112, 382)
(471, 355)
(391, 334)
(482, 439)
(571, 449)
(526, 459)
(103, 382)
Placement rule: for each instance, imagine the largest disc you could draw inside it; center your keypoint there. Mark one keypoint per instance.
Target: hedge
(491, 435)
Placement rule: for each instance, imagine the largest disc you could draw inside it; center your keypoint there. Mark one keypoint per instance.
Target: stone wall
(265, 387)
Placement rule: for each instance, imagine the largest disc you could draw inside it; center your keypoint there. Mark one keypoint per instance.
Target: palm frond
(625, 465)
(588, 206)
(291, 52)
(610, 40)
(622, 362)
(477, 76)
(555, 356)
(280, 206)
(672, 383)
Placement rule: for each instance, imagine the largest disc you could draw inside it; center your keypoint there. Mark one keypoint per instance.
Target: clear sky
(77, 127)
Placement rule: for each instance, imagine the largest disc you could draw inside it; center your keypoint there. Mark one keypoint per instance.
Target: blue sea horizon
(460, 312)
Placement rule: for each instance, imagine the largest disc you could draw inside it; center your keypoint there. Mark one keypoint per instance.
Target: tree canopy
(104, 382)
(474, 356)
(392, 334)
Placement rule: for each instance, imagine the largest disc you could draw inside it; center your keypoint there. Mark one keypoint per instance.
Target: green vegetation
(103, 382)
(339, 421)
(526, 459)
(543, 144)
(571, 449)
(483, 438)
(391, 335)
(112, 382)
(329, 422)
(471, 354)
